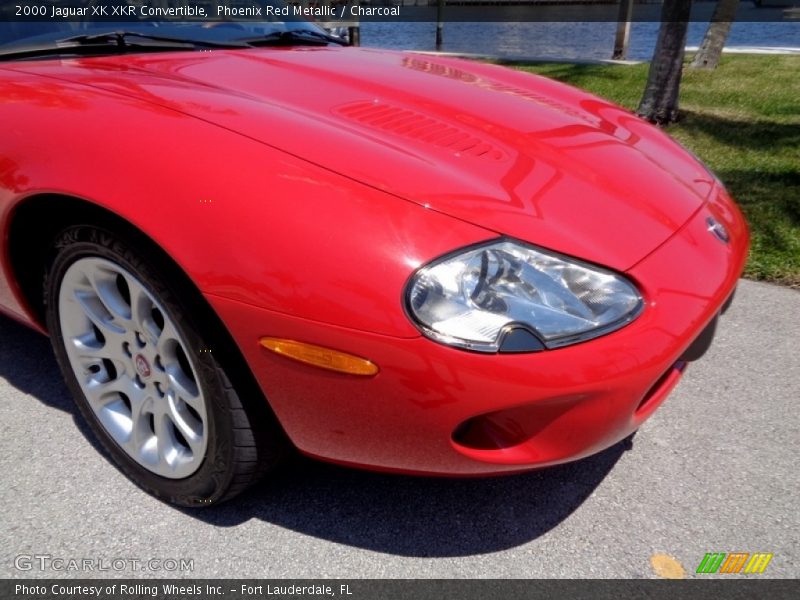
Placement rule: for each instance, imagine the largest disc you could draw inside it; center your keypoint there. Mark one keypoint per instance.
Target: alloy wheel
(132, 364)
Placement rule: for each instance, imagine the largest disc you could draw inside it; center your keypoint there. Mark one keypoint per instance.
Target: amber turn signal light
(325, 358)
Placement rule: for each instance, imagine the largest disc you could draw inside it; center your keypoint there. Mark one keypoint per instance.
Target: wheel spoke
(167, 341)
(88, 348)
(188, 426)
(142, 307)
(98, 313)
(179, 381)
(141, 439)
(101, 392)
(103, 299)
(196, 402)
(164, 438)
(104, 284)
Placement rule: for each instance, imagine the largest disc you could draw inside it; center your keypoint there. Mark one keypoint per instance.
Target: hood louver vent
(412, 125)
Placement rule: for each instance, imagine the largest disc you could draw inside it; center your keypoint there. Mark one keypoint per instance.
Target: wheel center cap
(142, 366)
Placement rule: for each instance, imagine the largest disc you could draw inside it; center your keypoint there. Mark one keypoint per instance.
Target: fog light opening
(485, 433)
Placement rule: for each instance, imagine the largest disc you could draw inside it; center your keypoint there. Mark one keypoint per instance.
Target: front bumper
(439, 410)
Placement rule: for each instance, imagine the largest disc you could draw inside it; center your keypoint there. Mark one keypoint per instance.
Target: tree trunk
(660, 99)
(708, 55)
(439, 23)
(623, 30)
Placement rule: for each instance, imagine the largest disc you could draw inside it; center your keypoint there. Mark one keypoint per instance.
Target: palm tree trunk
(660, 99)
(708, 55)
(623, 30)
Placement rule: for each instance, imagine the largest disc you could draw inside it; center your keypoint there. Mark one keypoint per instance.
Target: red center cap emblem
(142, 366)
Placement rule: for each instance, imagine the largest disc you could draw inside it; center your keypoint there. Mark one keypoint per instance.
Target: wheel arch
(32, 228)
(34, 225)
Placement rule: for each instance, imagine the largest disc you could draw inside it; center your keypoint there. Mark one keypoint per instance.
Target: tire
(129, 345)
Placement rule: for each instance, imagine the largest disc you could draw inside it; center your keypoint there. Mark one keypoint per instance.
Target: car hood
(517, 154)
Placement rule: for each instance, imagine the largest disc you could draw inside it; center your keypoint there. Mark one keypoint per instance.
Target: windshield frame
(45, 34)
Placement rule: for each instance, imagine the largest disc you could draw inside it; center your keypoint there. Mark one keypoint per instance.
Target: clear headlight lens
(478, 298)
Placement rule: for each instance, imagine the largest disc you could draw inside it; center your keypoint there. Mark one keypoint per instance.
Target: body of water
(571, 40)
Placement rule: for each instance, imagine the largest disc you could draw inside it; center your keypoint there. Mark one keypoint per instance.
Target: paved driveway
(715, 470)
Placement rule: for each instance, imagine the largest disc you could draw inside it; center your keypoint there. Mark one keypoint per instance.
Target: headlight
(508, 297)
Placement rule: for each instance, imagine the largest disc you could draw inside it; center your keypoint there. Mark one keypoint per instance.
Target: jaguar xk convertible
(246, 240)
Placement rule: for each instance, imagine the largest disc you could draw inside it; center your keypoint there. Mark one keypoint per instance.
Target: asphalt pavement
(716, 469)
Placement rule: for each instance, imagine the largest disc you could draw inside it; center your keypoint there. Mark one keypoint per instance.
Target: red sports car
(245, 239)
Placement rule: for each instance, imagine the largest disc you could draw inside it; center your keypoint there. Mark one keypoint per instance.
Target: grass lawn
(743, 120)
